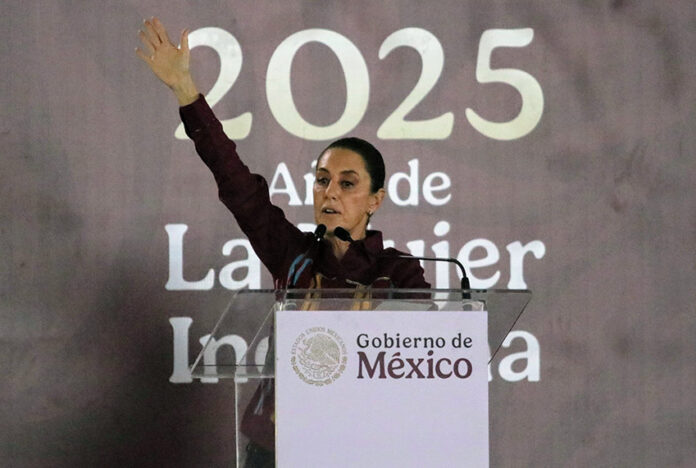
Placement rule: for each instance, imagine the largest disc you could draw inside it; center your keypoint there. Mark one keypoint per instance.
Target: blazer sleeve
(272, 236)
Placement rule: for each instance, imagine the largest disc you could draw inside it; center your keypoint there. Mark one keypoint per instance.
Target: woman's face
(342, 194)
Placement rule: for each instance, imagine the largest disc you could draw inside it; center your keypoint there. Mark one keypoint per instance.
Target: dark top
(276, 241)
(279, 245)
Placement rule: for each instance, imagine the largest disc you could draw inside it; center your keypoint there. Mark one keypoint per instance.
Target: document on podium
(407, 389)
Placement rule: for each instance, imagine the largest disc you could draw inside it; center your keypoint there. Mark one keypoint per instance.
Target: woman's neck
(339, 247)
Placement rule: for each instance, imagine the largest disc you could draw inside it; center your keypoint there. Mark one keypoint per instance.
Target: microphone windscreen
(342, 234)
(320, 231)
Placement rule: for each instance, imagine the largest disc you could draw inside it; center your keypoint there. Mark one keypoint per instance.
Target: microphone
(296, 269)
(319, 232)
(344, 235)
(465, 280)
(464, 284)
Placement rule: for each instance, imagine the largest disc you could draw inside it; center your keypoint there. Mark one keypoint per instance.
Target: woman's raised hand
(167, 61)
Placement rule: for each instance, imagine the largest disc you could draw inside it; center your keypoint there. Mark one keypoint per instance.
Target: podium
(389, 349)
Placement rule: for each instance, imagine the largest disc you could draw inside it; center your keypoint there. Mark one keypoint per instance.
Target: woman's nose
(332, 189)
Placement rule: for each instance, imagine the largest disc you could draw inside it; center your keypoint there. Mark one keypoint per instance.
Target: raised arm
(168, 62)
(275, 240)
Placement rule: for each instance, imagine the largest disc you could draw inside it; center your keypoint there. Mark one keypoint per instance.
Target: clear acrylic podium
(240, 345)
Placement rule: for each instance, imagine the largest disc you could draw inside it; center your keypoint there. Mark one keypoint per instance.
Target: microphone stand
(344, 235)
(298, 265)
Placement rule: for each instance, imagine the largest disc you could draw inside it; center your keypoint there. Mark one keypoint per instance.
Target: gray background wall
(92, 173)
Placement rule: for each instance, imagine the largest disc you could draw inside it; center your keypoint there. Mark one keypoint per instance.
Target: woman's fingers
(146, 58)
(151, 34)
(184, 41)
(158, 28)
(146, 42)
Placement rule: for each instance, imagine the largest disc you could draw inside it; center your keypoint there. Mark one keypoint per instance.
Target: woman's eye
(322, 181)
(346, 184)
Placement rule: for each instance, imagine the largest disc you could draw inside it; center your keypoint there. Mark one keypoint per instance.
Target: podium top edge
(382, 290)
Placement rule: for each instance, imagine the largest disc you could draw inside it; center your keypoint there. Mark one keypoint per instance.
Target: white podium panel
(381, 389)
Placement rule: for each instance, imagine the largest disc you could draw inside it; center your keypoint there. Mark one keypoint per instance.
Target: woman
(348, 190)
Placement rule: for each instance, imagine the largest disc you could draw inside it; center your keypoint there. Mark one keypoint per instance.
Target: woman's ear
(375, 201)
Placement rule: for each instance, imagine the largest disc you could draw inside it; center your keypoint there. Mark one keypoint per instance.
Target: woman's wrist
(185, 91)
